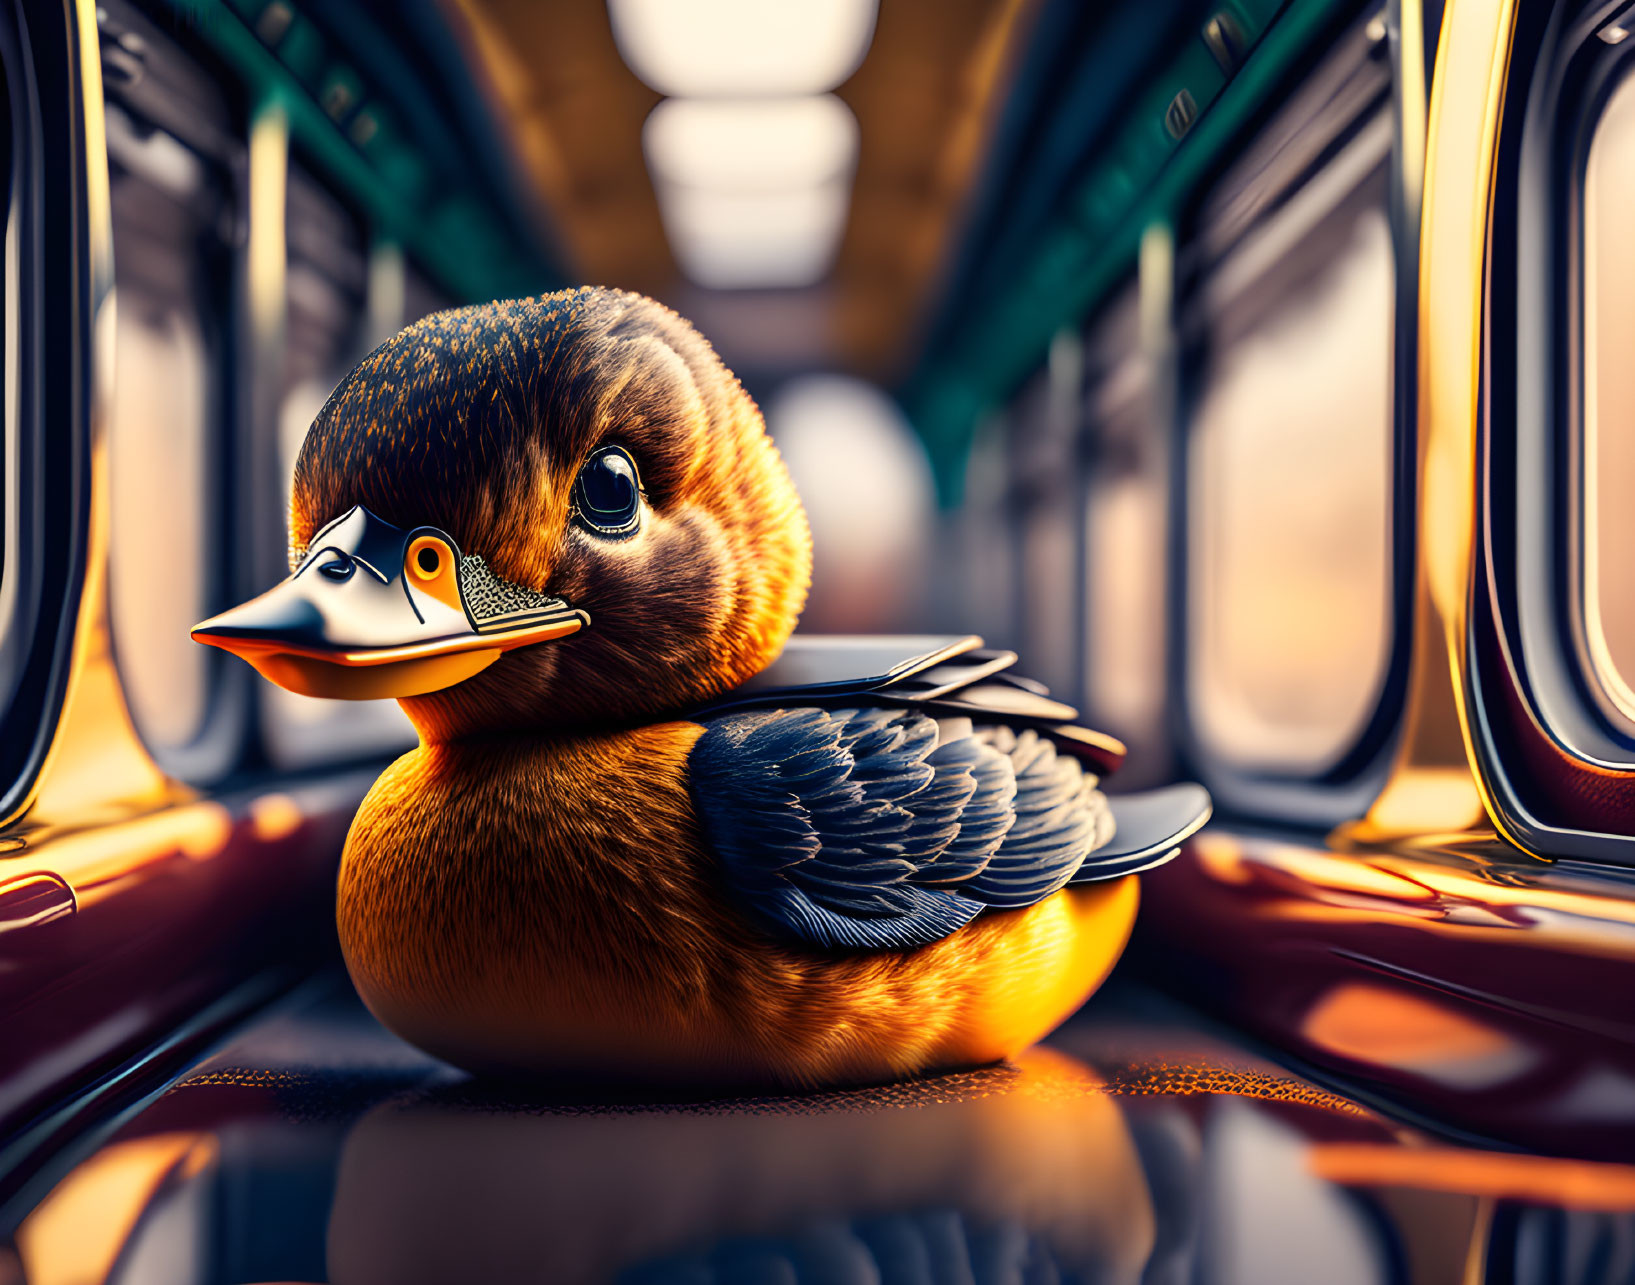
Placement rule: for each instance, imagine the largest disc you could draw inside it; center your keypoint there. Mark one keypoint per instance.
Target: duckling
(645, 835)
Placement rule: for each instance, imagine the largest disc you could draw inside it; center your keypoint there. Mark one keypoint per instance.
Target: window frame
(1343, 789)
(59, 293)
(1556, 759)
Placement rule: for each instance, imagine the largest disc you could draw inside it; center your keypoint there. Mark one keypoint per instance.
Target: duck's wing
(946, 676)
(882, 827)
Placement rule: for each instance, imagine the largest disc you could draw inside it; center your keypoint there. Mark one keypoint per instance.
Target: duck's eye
(608, 494)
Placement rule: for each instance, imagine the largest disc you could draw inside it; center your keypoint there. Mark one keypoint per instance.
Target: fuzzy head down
(478, 421)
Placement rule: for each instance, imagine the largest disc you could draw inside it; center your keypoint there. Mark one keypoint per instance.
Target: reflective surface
(1134, 1147)
(1454, 978)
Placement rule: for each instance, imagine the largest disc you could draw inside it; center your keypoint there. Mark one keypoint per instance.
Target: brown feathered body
(521, 904)
(529, 890)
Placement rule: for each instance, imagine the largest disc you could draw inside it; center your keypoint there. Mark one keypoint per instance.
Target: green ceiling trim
(1144, 177)
(342, 122)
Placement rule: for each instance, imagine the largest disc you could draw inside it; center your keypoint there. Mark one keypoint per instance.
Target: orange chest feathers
(533, 889)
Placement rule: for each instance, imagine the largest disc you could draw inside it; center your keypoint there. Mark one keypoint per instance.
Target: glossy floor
(1136, 1146)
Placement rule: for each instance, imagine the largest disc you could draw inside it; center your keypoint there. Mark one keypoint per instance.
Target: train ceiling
(925, 98)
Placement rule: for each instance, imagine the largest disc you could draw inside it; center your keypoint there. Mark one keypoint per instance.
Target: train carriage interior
(1257, 371)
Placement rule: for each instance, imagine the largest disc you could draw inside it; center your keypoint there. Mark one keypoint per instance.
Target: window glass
(341, 300)
(1289, 476)
(1609, 399)
(171, 263)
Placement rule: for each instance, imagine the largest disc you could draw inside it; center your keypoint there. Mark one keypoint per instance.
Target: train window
(986, 582)
(43, 510)
(1046, 503)
(17, 622)
(173, 227)
(342, 299)
(1290, 474)
(10, 435)
(1549, 669)
(1126, 515)
(1609, 399)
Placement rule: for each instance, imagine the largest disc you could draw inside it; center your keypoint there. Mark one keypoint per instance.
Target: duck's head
(546, 512)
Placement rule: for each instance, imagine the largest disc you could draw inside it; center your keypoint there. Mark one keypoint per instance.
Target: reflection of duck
(566, 876)
(1025, 1174)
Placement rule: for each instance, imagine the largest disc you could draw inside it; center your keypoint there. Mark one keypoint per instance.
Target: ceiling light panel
(729, 48)
(753, 193)
(755, 240)
(760, 145)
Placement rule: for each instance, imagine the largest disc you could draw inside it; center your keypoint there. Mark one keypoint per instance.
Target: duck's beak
(375, 610)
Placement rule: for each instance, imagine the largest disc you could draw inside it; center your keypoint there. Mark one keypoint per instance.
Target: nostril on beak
(339, 567)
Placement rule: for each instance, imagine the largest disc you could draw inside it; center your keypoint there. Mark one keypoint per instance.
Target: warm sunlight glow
(1543, 1180)
(1387, 1026)
(722, 48)
(76, 1234)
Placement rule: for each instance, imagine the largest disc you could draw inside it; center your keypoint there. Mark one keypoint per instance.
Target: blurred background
(1077, 325)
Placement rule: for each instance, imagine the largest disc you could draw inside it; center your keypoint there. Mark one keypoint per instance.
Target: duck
(649, 834)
